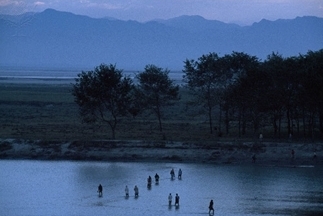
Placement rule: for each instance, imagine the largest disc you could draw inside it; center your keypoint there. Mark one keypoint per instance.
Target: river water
(70, 188)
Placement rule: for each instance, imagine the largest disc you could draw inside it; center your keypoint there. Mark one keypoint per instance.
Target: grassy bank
(42, 122)
(48, 112)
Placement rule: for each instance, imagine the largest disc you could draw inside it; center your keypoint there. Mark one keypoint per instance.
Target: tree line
(106, 95)
(236, 90)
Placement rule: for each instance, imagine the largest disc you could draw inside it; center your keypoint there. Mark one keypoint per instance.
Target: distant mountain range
(61, 39)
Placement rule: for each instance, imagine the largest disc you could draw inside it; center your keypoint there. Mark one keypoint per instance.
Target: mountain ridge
(56, 38)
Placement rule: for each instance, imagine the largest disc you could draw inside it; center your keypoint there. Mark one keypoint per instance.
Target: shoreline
(267, 153)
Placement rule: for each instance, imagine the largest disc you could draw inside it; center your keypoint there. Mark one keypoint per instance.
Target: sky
(242, 12)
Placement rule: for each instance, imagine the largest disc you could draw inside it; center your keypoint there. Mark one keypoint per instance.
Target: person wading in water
(100, 189)
(211, 209)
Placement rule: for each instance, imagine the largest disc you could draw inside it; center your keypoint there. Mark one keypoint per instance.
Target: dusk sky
(243, 12)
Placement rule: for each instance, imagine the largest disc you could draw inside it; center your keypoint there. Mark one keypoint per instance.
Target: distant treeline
(285, 94)
(236, 92)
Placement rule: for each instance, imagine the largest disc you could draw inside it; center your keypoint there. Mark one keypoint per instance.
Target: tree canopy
(203, 79)
(156, 90)
(103, 95)
(282, 93)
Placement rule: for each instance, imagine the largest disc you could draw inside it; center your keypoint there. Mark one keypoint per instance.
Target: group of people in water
(172, 174)
(149, 182)
(170, 200)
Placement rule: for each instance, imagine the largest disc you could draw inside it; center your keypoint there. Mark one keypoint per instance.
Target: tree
(245, 95)
(273, 66)
(156, 90)
(103, 95)
(236, 66)
(313, 86)
(292, 87)
(204, 78)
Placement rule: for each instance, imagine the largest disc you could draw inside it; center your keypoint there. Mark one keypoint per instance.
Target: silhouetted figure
(149, 181)
(136, 189)
(126, 191)
(176, 200)
(293, 153)
(157, 178)
(180, 174)
(170, 198)
(172, 173)
(211, 209)
(100, 190)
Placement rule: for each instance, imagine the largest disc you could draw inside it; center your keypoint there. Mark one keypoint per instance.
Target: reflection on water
(70, 188)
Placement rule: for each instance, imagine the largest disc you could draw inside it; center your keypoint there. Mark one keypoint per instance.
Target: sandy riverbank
(267, 153)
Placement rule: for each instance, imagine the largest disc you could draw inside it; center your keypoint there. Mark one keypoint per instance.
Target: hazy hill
(60, 39)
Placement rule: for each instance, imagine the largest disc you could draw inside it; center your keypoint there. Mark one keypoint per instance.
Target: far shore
(266, 153)
(37, 80)
(58, 108)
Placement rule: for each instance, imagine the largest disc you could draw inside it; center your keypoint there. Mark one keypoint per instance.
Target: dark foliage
(156, 90)
(103, 94)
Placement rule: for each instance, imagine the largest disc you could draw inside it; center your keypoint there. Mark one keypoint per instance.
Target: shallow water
(70, 188)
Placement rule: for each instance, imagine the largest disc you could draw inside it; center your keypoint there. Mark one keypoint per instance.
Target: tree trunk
(239, 123)
(275, 125)
(113, 129)
(288, 122)
(244, 122)
(227, 121)
(210, 120)
(279, 126)
(321, 125)
(159, 119)
(298, 127)
(113, 133)
(220, 120)
(113, 126)
(304, 124)
(210, 115)
(256, 123)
